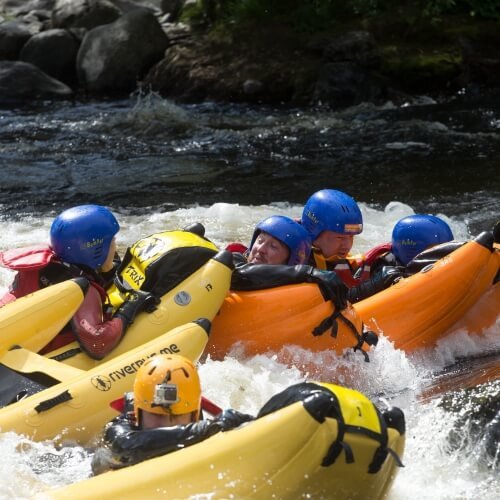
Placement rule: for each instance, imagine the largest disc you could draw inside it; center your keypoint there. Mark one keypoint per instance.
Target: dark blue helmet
(290, 233)
(83, 235)
(331, 210)
(413, 234)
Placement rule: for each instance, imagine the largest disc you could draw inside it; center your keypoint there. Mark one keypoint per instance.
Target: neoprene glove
(230, 419)
(137, 301)
(331, 286)
(383, 279)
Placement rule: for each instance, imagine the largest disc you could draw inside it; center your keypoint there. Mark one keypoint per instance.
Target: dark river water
(147, 152)
(158, 164)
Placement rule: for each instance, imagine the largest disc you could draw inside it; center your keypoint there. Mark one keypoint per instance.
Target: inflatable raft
(32, 321)
(334, 444)
(186, 293)
(414, 313)
(65, 403)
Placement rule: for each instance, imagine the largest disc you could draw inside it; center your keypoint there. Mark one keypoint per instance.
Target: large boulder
(12, 38)
(54, 52)
(21, 7)
(346, 83)
(114, 57)
(20, 80)
(83, 13)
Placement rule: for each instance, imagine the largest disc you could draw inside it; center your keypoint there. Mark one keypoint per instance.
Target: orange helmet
(167, 383)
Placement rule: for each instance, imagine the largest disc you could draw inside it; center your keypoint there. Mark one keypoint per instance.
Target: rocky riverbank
(104, 48)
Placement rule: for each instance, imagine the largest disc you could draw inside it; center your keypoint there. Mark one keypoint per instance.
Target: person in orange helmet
(163, 414)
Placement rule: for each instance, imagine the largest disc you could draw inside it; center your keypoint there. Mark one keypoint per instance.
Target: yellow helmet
(167, 384)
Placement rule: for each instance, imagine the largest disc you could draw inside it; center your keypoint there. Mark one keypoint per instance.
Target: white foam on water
(431, 471)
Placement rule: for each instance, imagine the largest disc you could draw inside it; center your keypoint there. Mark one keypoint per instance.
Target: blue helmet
(413, 234)
(83, 234)
(290, 233)
(331, 210)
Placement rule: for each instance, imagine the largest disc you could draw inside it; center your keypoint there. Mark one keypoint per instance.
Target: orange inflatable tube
(267, 320)
(414, 313)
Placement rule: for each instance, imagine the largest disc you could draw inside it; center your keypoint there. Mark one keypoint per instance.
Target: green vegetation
(314, 15)
(424, 45)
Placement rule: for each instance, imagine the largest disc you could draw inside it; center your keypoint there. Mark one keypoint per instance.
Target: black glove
(331, 286)
(383, 279)
(230, 419)
(137, 301)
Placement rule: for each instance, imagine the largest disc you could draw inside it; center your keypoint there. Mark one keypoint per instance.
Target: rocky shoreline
(109, 48)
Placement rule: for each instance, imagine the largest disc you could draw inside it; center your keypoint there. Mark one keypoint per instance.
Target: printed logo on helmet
(408, 243)
(311, 216)
(91, 244)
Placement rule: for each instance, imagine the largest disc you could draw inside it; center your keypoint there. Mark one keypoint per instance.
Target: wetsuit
(352, 270)
(38, 267)
(126, 444)
(386, 269)
(247, 276)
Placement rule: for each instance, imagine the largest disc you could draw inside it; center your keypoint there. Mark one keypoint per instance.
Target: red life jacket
(354, 269)
(236, 247)
(27, 261)
(376, 252)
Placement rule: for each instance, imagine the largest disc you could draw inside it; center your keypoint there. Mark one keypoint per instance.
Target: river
(160, 166)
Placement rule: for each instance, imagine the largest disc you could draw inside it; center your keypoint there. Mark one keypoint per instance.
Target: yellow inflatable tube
(281, 455)
(78, 408)
(32, 321)
(200, 295)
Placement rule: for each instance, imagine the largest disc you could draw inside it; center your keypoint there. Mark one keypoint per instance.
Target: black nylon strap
(50, 403)
(331, 322)
(67, 354)
(338, 445)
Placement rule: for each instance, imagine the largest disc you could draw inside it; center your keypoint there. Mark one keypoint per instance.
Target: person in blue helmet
(82, 244)
(417, 240)
(279, 250)
(279, 240)
(333, 218)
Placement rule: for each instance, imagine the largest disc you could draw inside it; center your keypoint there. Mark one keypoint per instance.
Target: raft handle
(50, 403)
(67, 354)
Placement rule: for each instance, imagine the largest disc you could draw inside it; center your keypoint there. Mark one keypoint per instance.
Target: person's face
(334, 244)
(153, 421)
(268, 250)
(108, 263)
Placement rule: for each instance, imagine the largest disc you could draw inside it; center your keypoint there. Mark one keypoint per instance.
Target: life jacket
(158, 263)
(345, 268)
(236, 247)
(353, 269)
(28, 262)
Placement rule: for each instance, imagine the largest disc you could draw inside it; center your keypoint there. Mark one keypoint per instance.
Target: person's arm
(381, 280)
(98, 336)
(129, 445)
(260, 276)
(432, 255)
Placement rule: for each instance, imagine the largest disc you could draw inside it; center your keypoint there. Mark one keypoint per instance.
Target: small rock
(251, 87)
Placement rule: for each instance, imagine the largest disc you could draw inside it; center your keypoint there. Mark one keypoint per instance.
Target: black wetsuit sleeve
(259, 276)
(129, 445)
(386, 260)
(432, 255)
